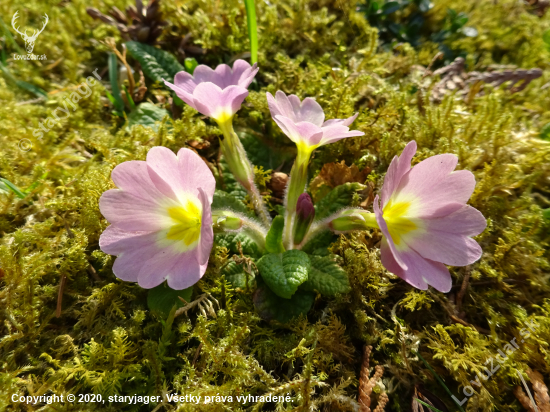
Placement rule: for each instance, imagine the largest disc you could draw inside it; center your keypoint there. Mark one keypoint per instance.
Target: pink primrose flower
(215, 93)
(304, 122)
(426, 222)
(161, 221)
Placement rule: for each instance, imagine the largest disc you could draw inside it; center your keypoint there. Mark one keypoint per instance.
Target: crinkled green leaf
(157, 64)
(272, 307)
(284, 272)
(162, 298)
(326, 277)
(230, 241)
(236, 275)
(274, 238)
(338, 198)
(146, 114)
(320, 243)
(223, 200)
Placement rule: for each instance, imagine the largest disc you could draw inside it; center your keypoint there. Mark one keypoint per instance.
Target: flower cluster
(162, 226)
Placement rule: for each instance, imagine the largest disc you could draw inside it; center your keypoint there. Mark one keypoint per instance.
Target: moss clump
(106, 341)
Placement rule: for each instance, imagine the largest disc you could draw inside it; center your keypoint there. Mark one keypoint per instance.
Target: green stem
(252, 29)
(296, 186)
(226, 221)
(242, 169)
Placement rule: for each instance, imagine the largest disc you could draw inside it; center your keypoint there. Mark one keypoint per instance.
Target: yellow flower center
(398, 224)
(187, 223)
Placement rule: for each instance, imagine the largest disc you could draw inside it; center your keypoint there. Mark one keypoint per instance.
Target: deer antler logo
(29, 40)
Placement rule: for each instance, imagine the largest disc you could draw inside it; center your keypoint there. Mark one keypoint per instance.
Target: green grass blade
(129, 98)
(13, 188)
(37, 91)
(9, 38)
(428, 406)
(113, 78)
(436, 376)
(252, 29)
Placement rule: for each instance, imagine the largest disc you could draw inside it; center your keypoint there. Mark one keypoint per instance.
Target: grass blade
(252, 29)
(426, 405)
(113, 74)
(37, 91)
(12, 187)
(436, 376)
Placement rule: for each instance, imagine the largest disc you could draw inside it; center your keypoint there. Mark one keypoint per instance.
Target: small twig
(454, 317)
(60, 295)
(196, 357)
(92, 272)
(427, 72)
(462, 292)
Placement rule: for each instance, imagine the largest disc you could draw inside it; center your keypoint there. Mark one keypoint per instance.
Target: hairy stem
(251, 227)
(296, 186)
(242, 169)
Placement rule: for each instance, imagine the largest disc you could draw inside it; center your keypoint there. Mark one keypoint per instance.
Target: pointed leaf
(284, 272)
(326, 277)
(274, 238)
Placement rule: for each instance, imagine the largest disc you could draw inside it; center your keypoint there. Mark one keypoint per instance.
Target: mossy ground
(106, 341)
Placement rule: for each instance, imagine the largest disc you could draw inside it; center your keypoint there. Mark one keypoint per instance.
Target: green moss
(106, 341)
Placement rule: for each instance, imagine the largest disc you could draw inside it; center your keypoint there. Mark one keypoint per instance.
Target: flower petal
(180, 270)
(434, 184)
(421, 272)
(448, 248)
(302, 132)
(115, 241)
(398, 167)
(343, 122)
(133, 178)
(384, 228)
(219, 76)
(337, 132)
(163, 265)
(132, 213)
(219, 104)
(280, 106)
(466, 221)
(310, 111)
(185, 82)
(189, 272)
(185, 172)
(207, 234)
(129, 263)
(182, 93)
(243, 73)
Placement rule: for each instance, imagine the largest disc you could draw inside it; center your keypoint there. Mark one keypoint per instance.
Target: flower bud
(226, 220)
(352, 219)
(305, 213)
